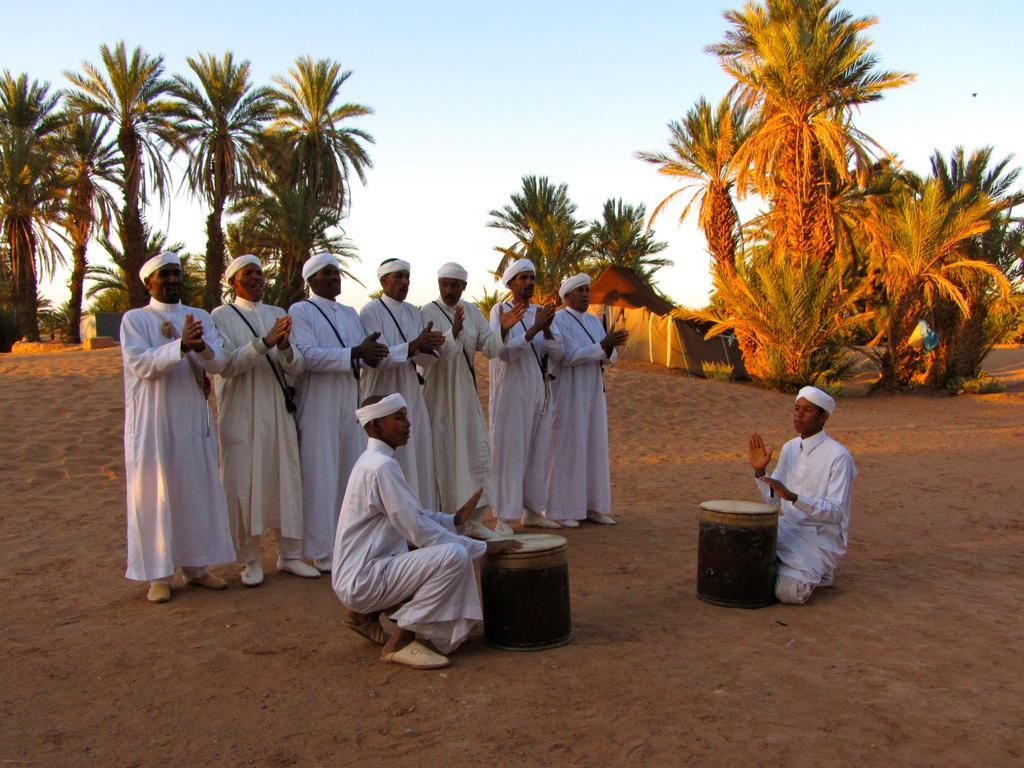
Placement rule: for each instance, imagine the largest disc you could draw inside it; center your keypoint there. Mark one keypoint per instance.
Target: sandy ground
(913, 659)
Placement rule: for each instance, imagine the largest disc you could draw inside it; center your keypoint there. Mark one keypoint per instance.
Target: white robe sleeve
(488, 341)
(316, 358)
(574, 351)
(291, 359)
(837, 497)
(514, 346)
(144, 361)
(238, 360)
(781, 468)
(212, 358)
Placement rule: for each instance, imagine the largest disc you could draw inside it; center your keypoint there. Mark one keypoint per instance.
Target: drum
(526, 595)
(736, 554)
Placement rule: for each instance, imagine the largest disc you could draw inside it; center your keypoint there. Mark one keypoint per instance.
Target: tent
(622, 300)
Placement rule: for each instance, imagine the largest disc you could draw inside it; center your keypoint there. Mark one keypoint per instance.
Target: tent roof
(621, 287)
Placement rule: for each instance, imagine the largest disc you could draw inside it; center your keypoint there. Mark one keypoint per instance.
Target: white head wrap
(572, 283)
(453, 271)
(516, 267)
(379, 410)
(396, 265)
(821, 399)
(160, 260)
(237, 264)
(315, 263)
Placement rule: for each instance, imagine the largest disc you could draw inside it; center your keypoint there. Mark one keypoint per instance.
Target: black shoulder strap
(277, 374)
(419, 376)
(355, 363)
(593, 340)
(465, 354)
(542, 360)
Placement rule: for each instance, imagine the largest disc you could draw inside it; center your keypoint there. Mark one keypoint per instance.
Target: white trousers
(439, 585)
(248, 549)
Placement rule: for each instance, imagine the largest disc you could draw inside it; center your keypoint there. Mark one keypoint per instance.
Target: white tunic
(330, 438)
(176, 511)
(462, 456)
(813, 531)
(578, 478)
(259, 446)
(374, 570)
(399, 323)
(520, 417)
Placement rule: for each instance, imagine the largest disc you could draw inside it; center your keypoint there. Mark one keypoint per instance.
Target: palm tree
(119, 279)
(90, 164)
(802, 67)
(285, 224)
(621, 238)
(702, 148)
(966, 339)
(221, 119)
(130, 92)
(326, 150)
(919, 244)
(543, 222)
(31, 190)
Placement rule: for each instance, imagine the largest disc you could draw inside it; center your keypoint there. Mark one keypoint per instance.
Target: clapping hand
(192, 335)
(428, 341)
(759, 455)
(278, 335)
(614, 339)
(371, 351)
(542, 322)
(460, 320)
(507, 319)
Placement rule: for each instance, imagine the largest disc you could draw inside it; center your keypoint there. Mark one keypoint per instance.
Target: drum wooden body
(736, 554)
(526, 595)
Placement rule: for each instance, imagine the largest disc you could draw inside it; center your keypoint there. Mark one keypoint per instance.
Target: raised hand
(614, 339)
(467, 509)
(278, 335)
(779, 489)
(371, 351)
(428, 341)
(460, 320)
(507, 319)
(542, 321)
(759, 455)
(192, 335)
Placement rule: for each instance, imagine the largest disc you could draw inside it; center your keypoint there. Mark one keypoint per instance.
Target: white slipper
(297, 567)
(252, 574)
(323, 564)
(477, 530)
(503, 529)
(600, 518)
(417, 656)
(569, 523)
(534, 520)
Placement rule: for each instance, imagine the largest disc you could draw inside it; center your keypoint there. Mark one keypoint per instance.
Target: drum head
(537, 542)
(732, 507)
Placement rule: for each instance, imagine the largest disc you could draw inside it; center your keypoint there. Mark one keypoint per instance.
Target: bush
(981, 384)
(8, 329)
(717, 371)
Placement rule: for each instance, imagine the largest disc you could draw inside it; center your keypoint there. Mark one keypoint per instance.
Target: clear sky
(470, 96)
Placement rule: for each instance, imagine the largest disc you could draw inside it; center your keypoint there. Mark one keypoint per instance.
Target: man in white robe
(579, 479)
(259, 446)
(462, 455)
(374, 571)
(177, 516)
(412, 341)
(335, 348)
(813, 485)
(519, 403)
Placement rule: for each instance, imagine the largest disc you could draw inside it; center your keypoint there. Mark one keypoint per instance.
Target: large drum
(526, 595)
(736, 553)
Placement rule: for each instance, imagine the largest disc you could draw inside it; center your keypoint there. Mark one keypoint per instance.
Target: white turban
(160, 260)
(572, 283)
(387, 406)
(821, 399)
(238, 264)
(453, 271)
(315, 263)
(515, 268)
(395, 265)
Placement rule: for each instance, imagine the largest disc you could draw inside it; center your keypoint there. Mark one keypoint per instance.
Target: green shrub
(718, 371)
(981, 384)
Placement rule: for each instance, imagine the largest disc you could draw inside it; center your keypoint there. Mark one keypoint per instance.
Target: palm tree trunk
(132, 232)
(76, 286)
(26, 298)
(214, 257)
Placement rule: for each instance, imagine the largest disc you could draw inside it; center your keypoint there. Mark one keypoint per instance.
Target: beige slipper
(207, 581)
(371, 630)
(535, 520)
(417, 656)
(159, 592)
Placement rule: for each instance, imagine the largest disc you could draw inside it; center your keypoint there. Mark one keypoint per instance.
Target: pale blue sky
(469, 97)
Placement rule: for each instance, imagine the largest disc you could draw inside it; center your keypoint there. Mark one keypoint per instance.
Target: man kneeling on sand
(374, 572)
(813, 482)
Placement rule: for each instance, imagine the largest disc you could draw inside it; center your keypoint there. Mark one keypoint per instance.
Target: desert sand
(912, 659)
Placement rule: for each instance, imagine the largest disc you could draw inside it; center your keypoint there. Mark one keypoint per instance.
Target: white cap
(315, 263)
(517, 267)
(572, 283)
(387, 406)
(453, 271)
(395, 265)
(821, 399)
(160, 260)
